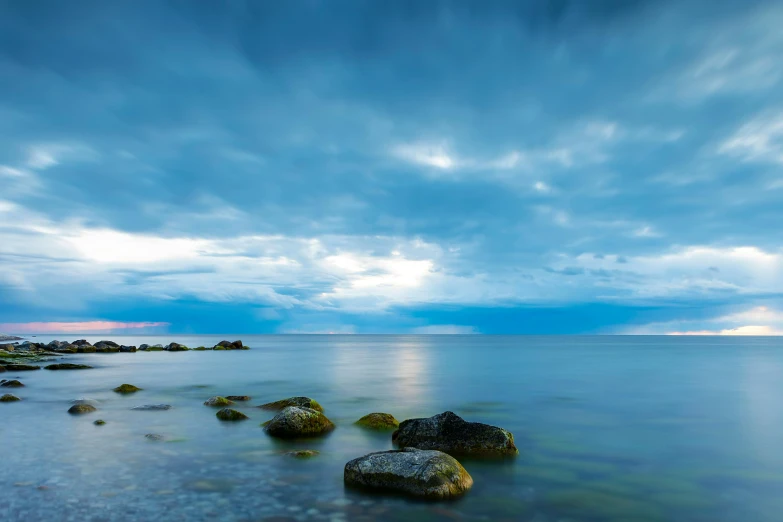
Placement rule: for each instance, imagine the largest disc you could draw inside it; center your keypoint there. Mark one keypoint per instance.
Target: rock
(155, 348)
(109, 343)
(56, 344)
(237, 345)
(293, 421)
(303, 402)
(66, 348)
(238, 397)
(7, 347)
(302, 454)
(79, 409)
(176, 347)
(224, 344)
(153, 407)
(11, 384)
(85, 348)
(421, 473)
(67, 366)
(6, 337)
(154, 436)
(217, 401)
(21, 367)
(227, 414)
(2, 369)
(126, 388)
(99, 422)
(127, 349)
(450, 433)
(9, 398)
(105, 347)
(378, 421)
(81, 342)
(143, 347)
(84, 400)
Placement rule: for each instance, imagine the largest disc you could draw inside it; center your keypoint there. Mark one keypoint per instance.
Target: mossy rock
(126, 388)
(79, 409)
(155, 348)
(227, 414)
(99, 422)
(303, 454)
(11, 384)
(9, 398)
(220, 348)
(21, 367)
(201, 349)
(85, 348)
(240, 398)
(67, 366)
(218, 402)
(293, 422)
(378, 421)
(301, 402)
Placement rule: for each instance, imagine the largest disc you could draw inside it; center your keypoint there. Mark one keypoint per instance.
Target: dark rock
(238, 397)
(126, 388)
(378, 421)
(143, 347)
(66, 348)
(293, 422)
(68, 366)
(11, 384)
(7, 347)
(81, 342)
(224, 344)
(227, 414)
(105, 347)
(153, 407)
(5, 337)
(304, 402)
(2, 369)
(217, 401)
(450, 433)
(85, 348)
(79, 409)
(56, 344)
(421, 473)
(155, 348)
(21, 367)
(237, 345)
(176, 347)
(154, 436)
(99, 422)
(302, 454)
(9, 398)
(109, 343)
(127, 349)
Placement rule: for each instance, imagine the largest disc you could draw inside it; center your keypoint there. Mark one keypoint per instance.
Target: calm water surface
(609, 429)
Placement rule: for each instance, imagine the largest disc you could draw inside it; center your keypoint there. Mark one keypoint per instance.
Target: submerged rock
(302, 402)
(126, 388)
(302, 454)
(450, 433)
(294, 422)
(67, 366)
(227, 414)
(21, 367)
(79, 409)
(153, 407)
(11, 384)
(154, 436)
(218, 402)
(238, 397)
(421, 473)
(378, 421)
(99, 422)
(155, 348)
(9, 398)
(2, 369)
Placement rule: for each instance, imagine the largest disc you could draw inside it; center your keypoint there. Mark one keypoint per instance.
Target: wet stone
(228, 414)
(80, 409)
(67, 366)
(9, 398)
(302, 402)
(152, 407)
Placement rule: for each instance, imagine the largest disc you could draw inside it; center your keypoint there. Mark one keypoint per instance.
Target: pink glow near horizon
(75, 327)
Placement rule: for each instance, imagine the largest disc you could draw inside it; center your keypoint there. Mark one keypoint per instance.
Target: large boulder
(176, 347)
(378, 421)
(143, 347)
(302, 402)
(85, 348)
(127, 349)
(421, 473)
(293, 422)
(105, 347)
(450, 433)
(228, 414)
(65, 348)
(108, 343)
(81, 342)
(228, 345)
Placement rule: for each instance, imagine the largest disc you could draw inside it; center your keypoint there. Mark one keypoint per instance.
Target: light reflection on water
(610, 429)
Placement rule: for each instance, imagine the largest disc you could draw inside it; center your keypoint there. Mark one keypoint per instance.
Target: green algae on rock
(228, 414)
(421, 473)
(67, 366)
(21, 367)
(217, 401)
(450, 433)
(126, 388)
(302, 402)
(293, 422)
(378, 421)
(9, 398)
(11, 384)
(99, 422)
(78, 409)
(302, 454)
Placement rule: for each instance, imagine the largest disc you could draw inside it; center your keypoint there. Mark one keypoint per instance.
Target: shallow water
(609, 429)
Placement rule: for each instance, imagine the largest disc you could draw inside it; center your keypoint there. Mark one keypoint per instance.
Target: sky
(541, 167)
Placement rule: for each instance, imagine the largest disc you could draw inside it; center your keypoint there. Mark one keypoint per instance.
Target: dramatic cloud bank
(439, 167)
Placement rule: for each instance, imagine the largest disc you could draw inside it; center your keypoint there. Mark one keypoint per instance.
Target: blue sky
(364, 167)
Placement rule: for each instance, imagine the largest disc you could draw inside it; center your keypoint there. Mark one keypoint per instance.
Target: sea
(609, 428)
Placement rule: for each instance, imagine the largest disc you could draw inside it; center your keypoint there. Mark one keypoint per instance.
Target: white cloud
(760, 139)
(428, 155)
(742, 330)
